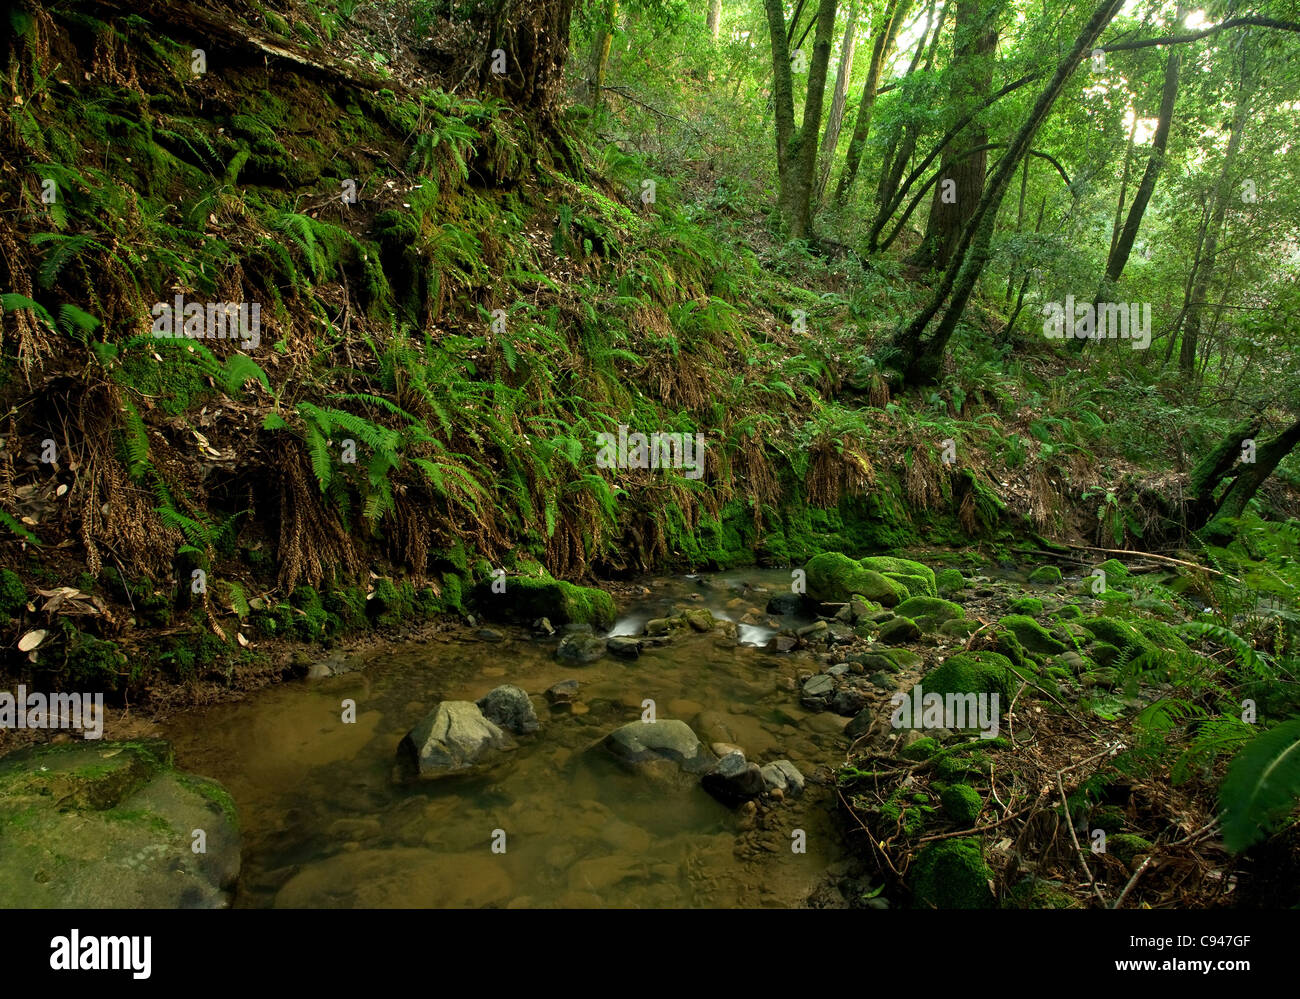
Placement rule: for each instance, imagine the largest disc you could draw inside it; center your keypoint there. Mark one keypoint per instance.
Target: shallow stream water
(559, 823)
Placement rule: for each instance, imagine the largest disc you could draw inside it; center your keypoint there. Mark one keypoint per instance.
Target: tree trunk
(533, 36)
(961, 181)
(1124, 245)
(917, 360)
(892, 173)
(797, 148)
(1205, 274)
(831, 137)
(600, 53)
(1219, 466)
(714, 21)
(892, 21)
(1123, 184)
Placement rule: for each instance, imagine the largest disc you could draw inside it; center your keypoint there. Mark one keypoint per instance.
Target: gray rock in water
(110, 825)
(624, 647)
(848, 702)
(733, 779)
(564, 692)
(490, 635)
(453, 738)
(812, 631)
(783, 776)
(510, 707)
(668, 739)
(839, 669)
(579, 649)
(861, 723)
(781, 643)
(785, 603)
(819, 686)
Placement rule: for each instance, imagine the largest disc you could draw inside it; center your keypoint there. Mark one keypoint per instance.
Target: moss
(901, 812)
(1070, 612)
(950, 581)
(1115, 570)
(1032, 635)
(1030, 606)
(13, 595)
(931, 607)
(391, 604)
(958, 627)
(951, 874)
(527, 598)
(1120, 634)
(919, 579)
(1036, 893)
(1045, 574)
(347, 606)
(1109, 818)
(1126, 846)
(962, 804)
(922, 749)
(97, 663)
(973, 673)
(834, 578)
(213, 792)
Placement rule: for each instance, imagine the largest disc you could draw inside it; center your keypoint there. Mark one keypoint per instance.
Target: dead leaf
(32, 639)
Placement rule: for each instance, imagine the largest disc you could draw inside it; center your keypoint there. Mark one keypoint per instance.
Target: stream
(326, 822)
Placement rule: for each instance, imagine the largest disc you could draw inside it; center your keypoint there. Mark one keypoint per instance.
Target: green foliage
(1262, 783)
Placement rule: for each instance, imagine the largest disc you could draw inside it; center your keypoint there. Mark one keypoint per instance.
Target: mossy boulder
(836, 578)
(1036, 893)
(526, 598)
(1032, 635)
(973, 673)
(1045, 574)
(919, 579)
(962, 804)
(898, 630)
(921, 749)
(1121, 634)
(958, 627)
(950, 581)
(929, 612)
(111, 824)
(1029, 606)
(1070, 612)
(951, 874)
(1126, 846)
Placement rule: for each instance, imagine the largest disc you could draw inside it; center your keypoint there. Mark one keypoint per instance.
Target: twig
(1069, 824)
(1161, 558)
(1131, 882)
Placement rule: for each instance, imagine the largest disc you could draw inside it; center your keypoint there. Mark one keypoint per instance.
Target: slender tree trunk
(1155, 163)
(1205, 274)
(961, 181)
(1020, 224)
(714, 20)
(895, 12)
(831, 137)
(887, 187)
(600, 54)
(1123, 184)
(918, 360)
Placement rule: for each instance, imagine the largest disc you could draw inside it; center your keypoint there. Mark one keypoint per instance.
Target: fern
(1263, 783)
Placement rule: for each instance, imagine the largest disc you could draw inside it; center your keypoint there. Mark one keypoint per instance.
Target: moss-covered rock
(973, 673)
(836, 578)
(921, 749)
(1030, 606)
(949, 581)
(961, 803)
(1032, 635)
(111, 824)
(526, 598)
(1119, 633)
(958, 627)
(918, 578)
(898, 630)
(933, 608)
(951, 874)
(1045, 574)
(1126, 846)
(1036, 893)
(1070, 612)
